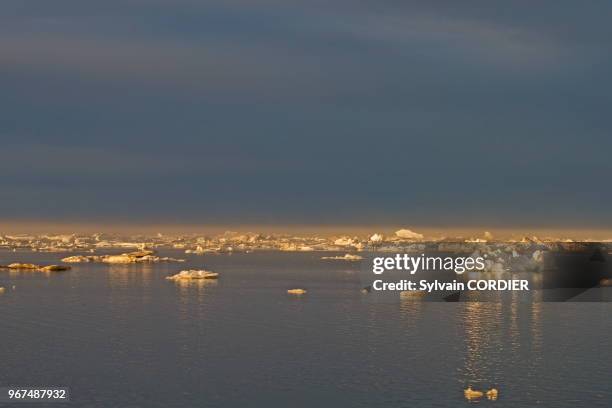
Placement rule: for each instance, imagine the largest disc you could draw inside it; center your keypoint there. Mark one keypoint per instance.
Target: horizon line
(326, 229)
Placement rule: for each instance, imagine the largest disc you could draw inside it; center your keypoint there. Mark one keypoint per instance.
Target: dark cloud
(306, 111)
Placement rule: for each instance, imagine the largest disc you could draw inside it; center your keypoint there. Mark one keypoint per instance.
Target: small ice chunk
(55, 268)
(346, 257)
(376, 238)
(345, 241)
(538, 256)
(81, 258)
(194, 274)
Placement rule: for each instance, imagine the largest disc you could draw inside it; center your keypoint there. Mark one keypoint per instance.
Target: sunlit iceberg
(408, 234)
(143, 256)
(194, 274)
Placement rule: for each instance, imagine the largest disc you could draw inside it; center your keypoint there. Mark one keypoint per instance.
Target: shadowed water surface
(124, 336)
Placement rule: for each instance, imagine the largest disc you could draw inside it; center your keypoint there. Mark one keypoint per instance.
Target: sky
(438, 113)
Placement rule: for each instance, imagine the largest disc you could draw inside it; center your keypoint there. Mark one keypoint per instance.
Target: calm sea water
(123, 336)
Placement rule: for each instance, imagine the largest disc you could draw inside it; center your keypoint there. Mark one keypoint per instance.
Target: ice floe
(198, 251)
(127, 258)
(34, 267)
(376, 238)
(471, 394)
(23, 266)
(55, 268)
(194, 274)
(346, 257)
(408, 234)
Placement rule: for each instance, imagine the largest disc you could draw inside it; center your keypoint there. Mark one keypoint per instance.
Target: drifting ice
(193, 274)
(347, 257)
(407, 234)
(131, 257)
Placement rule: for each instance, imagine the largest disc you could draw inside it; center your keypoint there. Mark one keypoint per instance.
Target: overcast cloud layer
(274, 111)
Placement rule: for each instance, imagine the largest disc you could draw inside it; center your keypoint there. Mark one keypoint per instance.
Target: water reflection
(123, 276)
(514, 331)
(186, 286)
(411, 310)
(500, 338)
(135, 279)
(536, 323)
(192, 311)
(472, 324)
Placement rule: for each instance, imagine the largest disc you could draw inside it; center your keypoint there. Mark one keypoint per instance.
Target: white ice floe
(376, 238)
(143, 256)
(55, 268)
(198, 251)
(194, 274)
(538, 256)
(408, 234)
(346, 257)
(292, 247)
(23, 266)
(37, 268)
(118, 259)
(345, 241)
(82, 258)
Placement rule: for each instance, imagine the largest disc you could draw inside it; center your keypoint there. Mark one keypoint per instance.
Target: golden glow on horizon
(44, 227)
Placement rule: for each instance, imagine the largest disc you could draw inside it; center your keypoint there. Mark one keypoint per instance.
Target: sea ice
(23, 266)
(130, 257)
(407, 234)
(376, 238)
(193, 274)
(346, 257)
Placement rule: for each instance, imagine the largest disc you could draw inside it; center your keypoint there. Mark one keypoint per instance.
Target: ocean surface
(123, 336)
